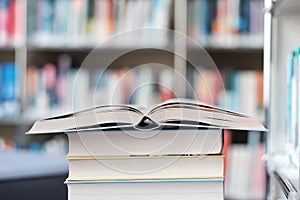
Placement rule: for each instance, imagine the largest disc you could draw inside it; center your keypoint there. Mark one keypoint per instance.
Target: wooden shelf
(230, 58)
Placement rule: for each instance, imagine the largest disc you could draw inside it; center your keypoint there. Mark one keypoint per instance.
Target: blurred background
(43, 43)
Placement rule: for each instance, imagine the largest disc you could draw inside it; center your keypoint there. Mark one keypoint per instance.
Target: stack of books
(172, 151)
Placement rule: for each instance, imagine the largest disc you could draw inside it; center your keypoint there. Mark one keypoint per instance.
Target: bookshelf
(45, 39)
(281, 39)
(40, 44)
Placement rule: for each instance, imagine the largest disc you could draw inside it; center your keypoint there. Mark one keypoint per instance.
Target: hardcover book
(170, 114)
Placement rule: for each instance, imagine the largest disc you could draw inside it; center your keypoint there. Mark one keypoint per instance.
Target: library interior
(149, 99)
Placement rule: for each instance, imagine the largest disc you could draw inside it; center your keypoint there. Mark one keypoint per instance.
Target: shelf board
(280, 165)
(15, 122)
(239, 42)
(228, 50)
(238, 47)
(7, 49)
(86, 49)
(236, 43)
(286, 7)
(110, 45)
(229, 58)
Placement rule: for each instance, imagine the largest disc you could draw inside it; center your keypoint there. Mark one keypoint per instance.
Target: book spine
(11, 25)
(44, 20)
(32, 85)
(4, 9)
(244, 16)
(10, 90)
(18, 28)
(49, 74)
(290, 105)
(31, 19)
(296, 134)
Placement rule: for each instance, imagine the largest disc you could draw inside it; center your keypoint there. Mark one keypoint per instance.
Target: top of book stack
(172, 114)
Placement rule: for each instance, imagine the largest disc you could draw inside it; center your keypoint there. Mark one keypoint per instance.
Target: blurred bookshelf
(281, 62)
(92, 22)
(51, 40)
(226, 24)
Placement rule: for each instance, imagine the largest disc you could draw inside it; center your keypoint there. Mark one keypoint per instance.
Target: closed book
(151, 142)
(167, 189)
(145, 167)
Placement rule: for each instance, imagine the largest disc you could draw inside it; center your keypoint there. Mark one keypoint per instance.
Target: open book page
(101, 117)
(183, 112)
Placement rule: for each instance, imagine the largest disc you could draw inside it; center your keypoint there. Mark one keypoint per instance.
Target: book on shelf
(293, 99)
(11, 30)
(9, 90)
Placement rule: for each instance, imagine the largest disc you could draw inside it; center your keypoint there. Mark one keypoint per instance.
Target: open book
(170, 114)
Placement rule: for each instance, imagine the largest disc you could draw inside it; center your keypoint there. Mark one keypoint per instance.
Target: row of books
(11, 27)
(293, 99)
(226, 23)
(144, 86)
(60, 87)
(89, 22)
(57, 88)
(238, 90)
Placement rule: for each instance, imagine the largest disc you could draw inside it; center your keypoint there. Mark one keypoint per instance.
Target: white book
(187, 189)
(145, 167)
(173, 113)
(153, 142)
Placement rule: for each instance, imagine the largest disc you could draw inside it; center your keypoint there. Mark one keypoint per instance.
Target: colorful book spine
(10, 90)
(293, 108)
(296, 134)
(4, 8)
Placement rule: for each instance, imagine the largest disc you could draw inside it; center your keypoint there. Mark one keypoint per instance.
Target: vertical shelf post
(21, 62)
(21, 49)
(180, 28)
